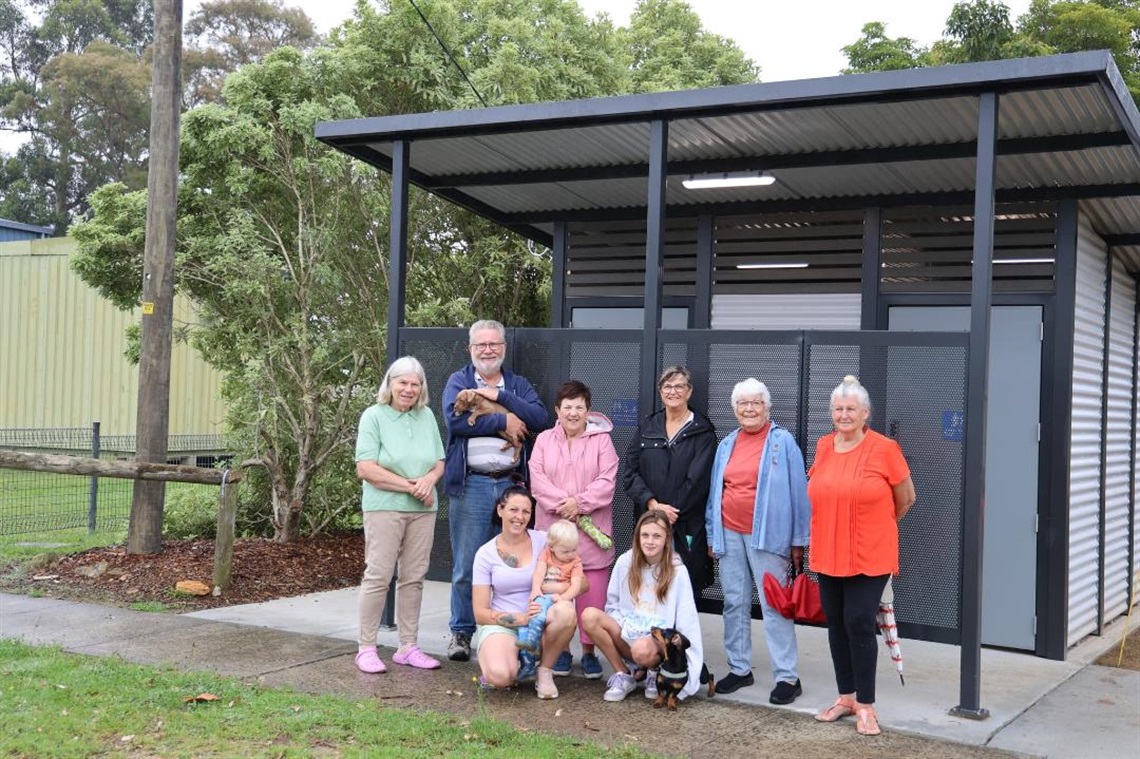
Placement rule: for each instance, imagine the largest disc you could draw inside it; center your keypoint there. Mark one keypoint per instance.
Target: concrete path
(1038, 707)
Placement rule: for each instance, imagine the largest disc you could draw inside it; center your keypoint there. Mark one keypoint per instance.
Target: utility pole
(153, 424)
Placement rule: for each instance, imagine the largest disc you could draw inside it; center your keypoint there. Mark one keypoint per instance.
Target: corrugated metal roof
(1063, 122)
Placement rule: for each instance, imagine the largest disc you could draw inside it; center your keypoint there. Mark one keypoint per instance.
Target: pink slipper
(369, 661)
(414, 657)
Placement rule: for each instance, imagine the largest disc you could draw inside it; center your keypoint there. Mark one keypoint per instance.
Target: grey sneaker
(459, 649)
(621, 684)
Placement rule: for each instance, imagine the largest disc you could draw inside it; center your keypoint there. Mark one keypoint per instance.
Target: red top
(853, 527)
(741, 475)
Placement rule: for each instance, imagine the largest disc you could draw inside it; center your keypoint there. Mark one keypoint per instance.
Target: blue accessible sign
(953, 423)
(624, 412)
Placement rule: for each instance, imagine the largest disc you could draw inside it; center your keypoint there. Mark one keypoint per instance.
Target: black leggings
(851, 604)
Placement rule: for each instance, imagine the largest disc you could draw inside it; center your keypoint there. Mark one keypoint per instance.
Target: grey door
(1009, 575)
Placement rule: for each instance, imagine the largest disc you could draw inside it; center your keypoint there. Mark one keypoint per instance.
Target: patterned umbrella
(886, 620)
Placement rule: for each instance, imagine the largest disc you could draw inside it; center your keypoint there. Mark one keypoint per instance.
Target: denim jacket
(782, 516)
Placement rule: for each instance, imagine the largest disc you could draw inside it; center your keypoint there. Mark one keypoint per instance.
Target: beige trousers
(390, 537)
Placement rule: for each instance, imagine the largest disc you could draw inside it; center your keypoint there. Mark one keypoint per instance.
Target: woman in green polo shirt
(399, 458)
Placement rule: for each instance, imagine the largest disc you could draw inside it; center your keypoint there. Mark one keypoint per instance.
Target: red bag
(778, 595)
(806, 604)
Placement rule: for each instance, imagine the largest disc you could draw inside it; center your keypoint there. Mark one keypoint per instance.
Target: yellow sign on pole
(147, 308)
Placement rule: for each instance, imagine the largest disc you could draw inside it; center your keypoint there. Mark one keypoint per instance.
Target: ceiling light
(773, 266)
(728, 179)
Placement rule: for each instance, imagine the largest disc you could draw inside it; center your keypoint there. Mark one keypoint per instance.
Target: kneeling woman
(500, 594)
(649, 588)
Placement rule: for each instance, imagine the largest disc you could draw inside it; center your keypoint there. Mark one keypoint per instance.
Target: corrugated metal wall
(61, 352)
(1084, 466)
(833, 311)
(1119, 463)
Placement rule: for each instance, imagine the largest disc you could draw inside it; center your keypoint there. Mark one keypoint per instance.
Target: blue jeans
(469, 522)
(741, 567)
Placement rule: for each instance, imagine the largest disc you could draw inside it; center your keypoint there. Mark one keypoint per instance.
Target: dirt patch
(262, 571)
(1131, 658)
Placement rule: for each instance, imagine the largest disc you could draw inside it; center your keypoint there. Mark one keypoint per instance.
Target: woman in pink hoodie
(573, 470)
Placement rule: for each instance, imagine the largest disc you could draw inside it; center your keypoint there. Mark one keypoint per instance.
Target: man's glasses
(487, 346)
(674, 388)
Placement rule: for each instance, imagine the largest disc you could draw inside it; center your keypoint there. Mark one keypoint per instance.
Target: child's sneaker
(528, 667)
(621, 684)
(651, 683)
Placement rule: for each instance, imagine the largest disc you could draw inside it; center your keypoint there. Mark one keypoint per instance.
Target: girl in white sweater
(649, 587)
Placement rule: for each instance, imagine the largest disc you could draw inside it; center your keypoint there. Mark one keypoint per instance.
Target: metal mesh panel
(610, 367)
(717, 365)
(441, 352)
(911, 388)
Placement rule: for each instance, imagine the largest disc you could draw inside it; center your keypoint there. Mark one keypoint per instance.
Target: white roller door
(831, 311)
(1084, 462)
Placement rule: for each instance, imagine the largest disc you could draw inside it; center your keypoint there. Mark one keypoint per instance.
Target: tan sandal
(843, 707)
(866, 723)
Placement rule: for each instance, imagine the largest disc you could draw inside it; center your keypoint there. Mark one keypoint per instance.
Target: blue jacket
(517, 395)
(782, 517)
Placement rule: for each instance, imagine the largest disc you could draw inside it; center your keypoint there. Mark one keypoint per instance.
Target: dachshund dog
(673, 672)
(469, 401)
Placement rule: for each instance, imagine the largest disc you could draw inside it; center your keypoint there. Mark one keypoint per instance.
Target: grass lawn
(62, 705)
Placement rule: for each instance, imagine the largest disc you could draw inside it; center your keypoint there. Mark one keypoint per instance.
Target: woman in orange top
(859, 487)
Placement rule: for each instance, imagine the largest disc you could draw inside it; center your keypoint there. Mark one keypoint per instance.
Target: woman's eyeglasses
(674, 388)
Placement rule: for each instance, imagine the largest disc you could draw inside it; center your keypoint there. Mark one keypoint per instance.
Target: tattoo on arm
(507, 620)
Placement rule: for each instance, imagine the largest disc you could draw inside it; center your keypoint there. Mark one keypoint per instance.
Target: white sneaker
(651, 683)
(621, 684)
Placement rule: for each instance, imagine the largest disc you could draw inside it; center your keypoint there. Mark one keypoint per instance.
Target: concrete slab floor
(85, 624)
(1071, 721)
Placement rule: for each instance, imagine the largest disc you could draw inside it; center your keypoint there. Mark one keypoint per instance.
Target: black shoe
(732, 682)
(784, 693)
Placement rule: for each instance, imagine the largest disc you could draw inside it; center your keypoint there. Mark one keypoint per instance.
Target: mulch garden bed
(262, 570)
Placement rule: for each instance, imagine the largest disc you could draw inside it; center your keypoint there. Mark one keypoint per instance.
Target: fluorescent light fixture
(772, 266)
(728, 179)
(1023, 260)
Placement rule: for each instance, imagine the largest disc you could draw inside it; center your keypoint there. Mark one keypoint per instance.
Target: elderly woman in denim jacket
(758, 518)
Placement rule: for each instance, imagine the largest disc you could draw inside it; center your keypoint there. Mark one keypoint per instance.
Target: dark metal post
(397, 295)
(397, 247)
(558, 315)
(872, 267)
(93, 488)
(977, 392)
(1056, 427)
(654, 262)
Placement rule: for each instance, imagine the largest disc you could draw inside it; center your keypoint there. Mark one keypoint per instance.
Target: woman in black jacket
(668, 466)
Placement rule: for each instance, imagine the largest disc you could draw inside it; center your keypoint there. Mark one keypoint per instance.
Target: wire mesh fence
(32, 502)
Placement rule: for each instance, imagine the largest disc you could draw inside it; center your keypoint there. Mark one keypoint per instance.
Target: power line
(449, 55)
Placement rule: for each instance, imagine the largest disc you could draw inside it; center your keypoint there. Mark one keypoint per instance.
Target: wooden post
(224, 543)
(145, 529)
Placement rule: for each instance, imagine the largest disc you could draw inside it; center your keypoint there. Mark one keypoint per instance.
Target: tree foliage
(283, 242)
(875, 51)
(76, 85)
(221, 36)
(981, 30)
